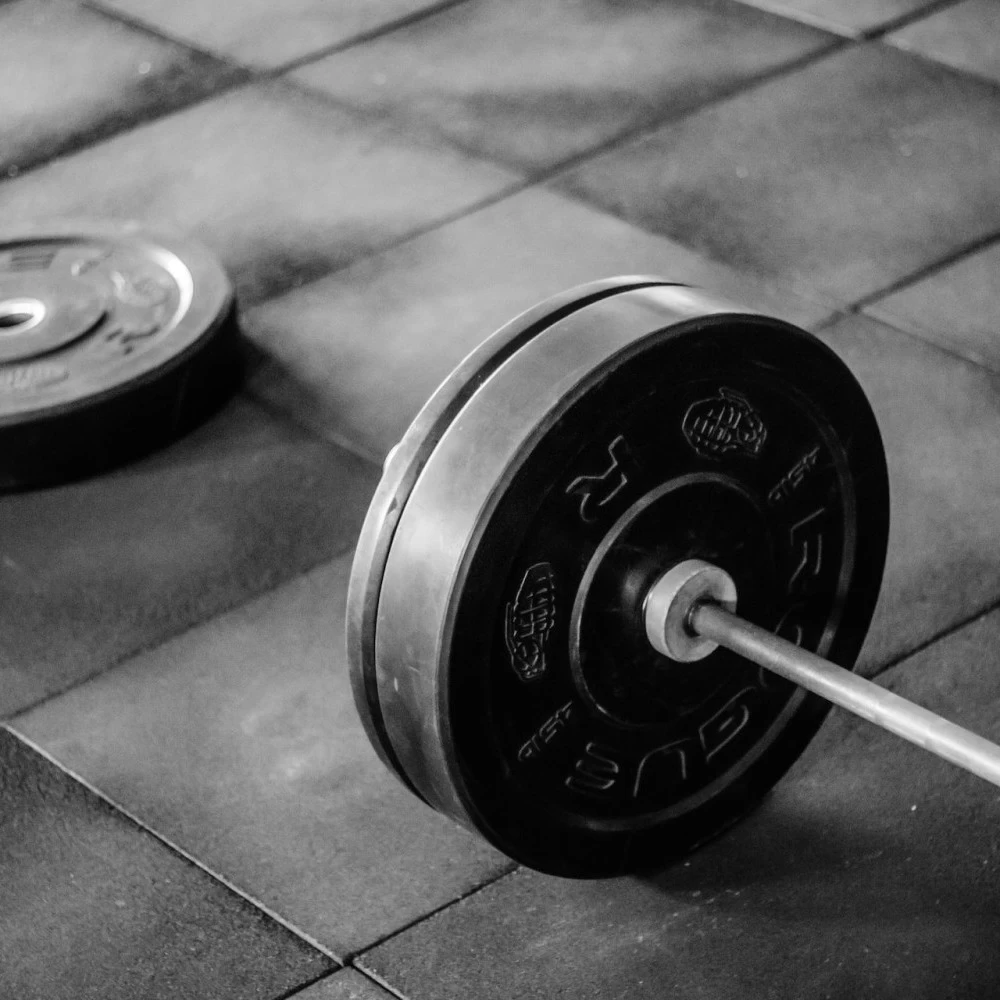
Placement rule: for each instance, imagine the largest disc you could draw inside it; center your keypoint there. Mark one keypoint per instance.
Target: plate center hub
(18, 316)
(705, 516)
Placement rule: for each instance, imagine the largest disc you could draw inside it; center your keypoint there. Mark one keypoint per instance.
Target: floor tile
(850, 16)
(531, 83)
(870, 871)
(844, 177)
(240, 742)
(259, 33)
(349, 984)
(940, 422)
(94, 908)
(70, 76)
(94, 571)
(958, 307)
(283, 187)
(964, 36)
(356, 354)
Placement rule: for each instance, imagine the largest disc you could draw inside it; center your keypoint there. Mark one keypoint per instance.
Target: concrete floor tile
(259, 33)
(240, 742)
(349, 984)
(940, 423)
(94, 571)
(282, 186)
(844, 177)
(356, 354)
(94, 908)
(963, 36)
(849, 16)
(531, 83)
(70, 76)
(958, 308)
(870, 871)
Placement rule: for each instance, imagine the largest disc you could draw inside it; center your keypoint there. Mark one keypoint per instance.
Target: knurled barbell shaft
(848, 690)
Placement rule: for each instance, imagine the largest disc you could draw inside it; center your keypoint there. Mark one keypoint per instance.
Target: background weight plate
(405, 463)
(646, 427)
(113, 341)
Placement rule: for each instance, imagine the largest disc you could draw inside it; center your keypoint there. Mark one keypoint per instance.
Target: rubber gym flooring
(188, 806)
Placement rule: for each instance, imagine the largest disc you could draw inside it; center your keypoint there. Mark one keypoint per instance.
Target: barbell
(541, 623)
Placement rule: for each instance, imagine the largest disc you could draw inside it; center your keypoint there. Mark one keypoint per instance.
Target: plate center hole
(20, 315)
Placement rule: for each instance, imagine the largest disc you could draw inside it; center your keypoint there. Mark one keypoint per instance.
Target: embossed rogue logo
(722, 424)
(529, 620)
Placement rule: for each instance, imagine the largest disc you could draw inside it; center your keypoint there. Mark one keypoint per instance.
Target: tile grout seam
(900, 659)
(410, 127)
(797, 16)
(779, 9)
(373, 978)
(352, 957)
(405, 21)
(138, 25)
(379, 981)
(906, 19)
(7, 721)
(266, 72)
(257, 904)
(837, 47)
(926, 341)
(333, 441)
(300, 988)
(929, 61)
(244, 76)
(942, 263)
